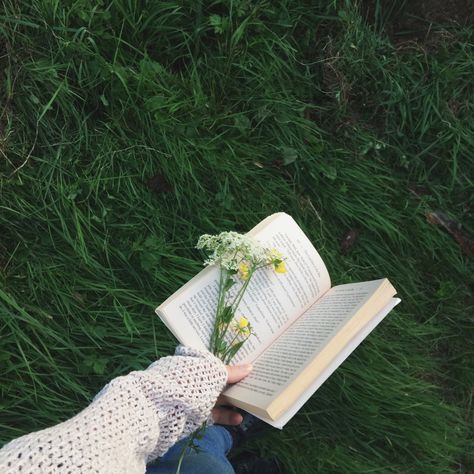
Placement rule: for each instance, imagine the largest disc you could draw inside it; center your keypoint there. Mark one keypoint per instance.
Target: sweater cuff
(183, 389)
(192, 352)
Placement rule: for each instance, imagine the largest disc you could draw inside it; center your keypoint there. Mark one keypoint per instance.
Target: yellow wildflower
(275, 254)
(243, 323)
(244, 271)
(280, 267)
(242, 327)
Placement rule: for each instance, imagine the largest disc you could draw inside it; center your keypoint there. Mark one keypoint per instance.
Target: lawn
(130, 127)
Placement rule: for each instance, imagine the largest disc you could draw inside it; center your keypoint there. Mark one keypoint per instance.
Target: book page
(336, 362)
(272, 301)
(277, 367)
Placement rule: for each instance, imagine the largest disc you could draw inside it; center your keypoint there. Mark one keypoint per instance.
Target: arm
(133, 420)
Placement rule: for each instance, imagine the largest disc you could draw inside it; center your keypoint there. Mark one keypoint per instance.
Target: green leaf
(289, 154)
(229, 284)
(242, 123)
(221, 346)
(227, 314)
(234, 349)
(219, 23)
(99, 366)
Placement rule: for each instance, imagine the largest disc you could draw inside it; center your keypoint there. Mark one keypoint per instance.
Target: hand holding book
(222, 415)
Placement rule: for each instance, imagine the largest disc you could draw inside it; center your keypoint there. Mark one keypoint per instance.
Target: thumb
(235, 373)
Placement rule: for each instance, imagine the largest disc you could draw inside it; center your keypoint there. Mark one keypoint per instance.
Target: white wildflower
(229, 249)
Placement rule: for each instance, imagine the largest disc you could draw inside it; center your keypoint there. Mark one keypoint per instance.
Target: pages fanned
(304, 329)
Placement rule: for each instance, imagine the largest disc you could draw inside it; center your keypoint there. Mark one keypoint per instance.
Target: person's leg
(209, 458)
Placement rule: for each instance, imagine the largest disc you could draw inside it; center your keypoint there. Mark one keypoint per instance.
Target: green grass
(243, 109)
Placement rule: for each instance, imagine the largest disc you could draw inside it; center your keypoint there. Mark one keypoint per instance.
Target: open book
(303, 328)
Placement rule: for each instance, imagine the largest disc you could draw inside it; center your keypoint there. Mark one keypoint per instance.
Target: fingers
(237, 372)
(223, 416)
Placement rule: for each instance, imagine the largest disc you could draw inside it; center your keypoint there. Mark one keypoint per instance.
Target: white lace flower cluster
(229, 249)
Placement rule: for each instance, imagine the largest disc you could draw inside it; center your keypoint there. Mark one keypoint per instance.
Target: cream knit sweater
(132, 421)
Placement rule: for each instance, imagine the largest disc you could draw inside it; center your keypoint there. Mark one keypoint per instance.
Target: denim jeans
(210, 458)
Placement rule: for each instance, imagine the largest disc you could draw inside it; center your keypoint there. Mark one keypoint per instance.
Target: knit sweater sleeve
(133, 420)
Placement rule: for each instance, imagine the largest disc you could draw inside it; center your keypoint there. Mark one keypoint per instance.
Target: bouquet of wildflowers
(238, 257)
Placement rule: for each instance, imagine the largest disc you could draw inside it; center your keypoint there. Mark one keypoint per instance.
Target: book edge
(281, 421)
(276, 407)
